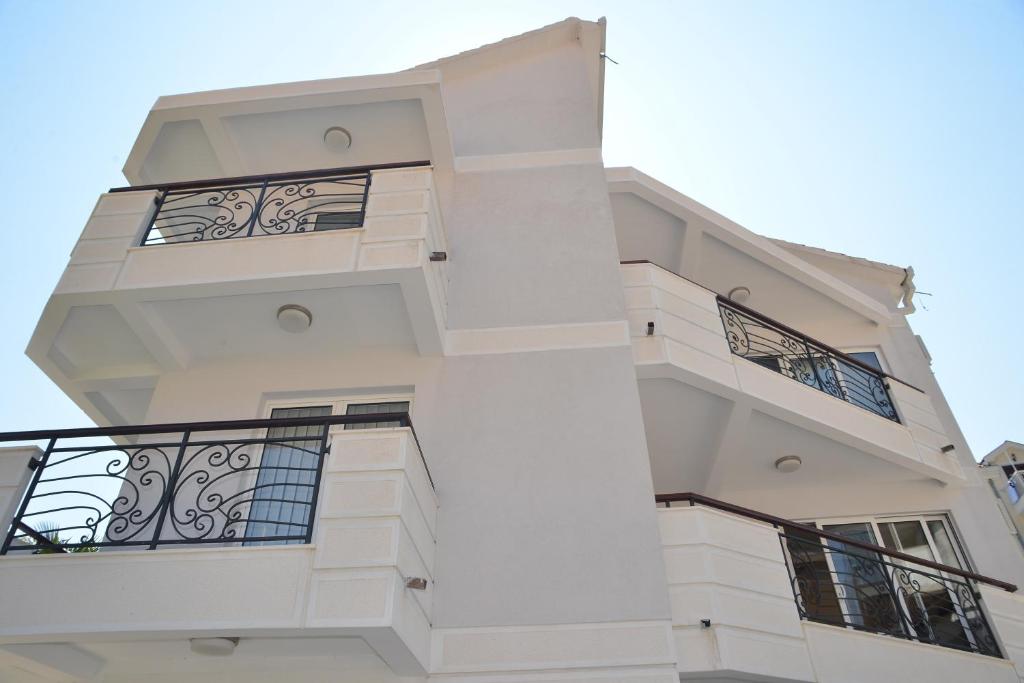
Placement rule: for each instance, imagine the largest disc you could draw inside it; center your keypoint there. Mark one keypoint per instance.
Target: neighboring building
(569, 340)
(1004, 469)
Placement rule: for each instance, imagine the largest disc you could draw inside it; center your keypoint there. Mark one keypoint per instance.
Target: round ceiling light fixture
(788, 463)
(337, 139)
(739, 294)
(214, 647)
(294, 318)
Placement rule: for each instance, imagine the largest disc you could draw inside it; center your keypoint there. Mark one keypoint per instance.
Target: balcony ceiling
(696, 443)
(277, 128)
(245, 325)
(98, 337)
(114, 352)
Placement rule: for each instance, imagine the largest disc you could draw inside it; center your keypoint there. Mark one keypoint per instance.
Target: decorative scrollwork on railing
(190, 487)
(772, 346)
(842, 585)
(263, 207)
(253, 482)
(70, 500)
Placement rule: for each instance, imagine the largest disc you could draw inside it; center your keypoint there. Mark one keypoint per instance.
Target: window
(849, 586)
(337, 220)
(867, 358)
(281, 503)
(283, 495)
(372, 408)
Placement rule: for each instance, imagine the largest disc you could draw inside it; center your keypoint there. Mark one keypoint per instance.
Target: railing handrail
(271, 177)
(781, 326)
(402, 418)
(698, 499)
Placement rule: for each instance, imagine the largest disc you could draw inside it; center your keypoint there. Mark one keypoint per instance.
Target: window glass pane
(931, 607)
(812, 578)
(912, 540)
(862, 580)
(770, 362)
(283, 494)
(372, 408)
(337, 220)
(868, 358)
(943, 543)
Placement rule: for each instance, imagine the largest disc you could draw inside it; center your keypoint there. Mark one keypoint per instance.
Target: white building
(443, 248)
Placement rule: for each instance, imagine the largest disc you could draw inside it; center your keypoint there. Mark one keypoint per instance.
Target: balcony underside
(719, 445)
(107, 350)
(255, 660)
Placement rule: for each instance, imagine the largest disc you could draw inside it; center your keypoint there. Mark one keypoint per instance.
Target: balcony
(752, 385)
(793, 354)
(319, 527)
(169, 276)
(756, 595)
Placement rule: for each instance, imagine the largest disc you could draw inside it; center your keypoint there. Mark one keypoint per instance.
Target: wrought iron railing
(784, 350)
(844, 585)
(846, 582)
(256, 206)
(252, 482)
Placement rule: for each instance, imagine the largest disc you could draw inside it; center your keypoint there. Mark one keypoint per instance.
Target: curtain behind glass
(284, 486)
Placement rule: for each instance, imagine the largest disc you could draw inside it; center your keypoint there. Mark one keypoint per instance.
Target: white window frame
(339, 403)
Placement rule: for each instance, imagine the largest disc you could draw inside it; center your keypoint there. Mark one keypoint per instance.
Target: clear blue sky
(889, 130)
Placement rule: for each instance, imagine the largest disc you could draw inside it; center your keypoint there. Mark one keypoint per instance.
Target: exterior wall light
(215, 647)
(788, 463)
(739, 294)
(948, 448)
(416, 583)
(294, 318)
(337, 139)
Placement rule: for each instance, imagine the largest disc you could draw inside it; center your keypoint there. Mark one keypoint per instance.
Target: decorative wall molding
(505, 162)
(536, 338)
(553, 647)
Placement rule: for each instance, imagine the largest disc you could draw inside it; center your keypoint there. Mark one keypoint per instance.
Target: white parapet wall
(375, 529)
(731, 571)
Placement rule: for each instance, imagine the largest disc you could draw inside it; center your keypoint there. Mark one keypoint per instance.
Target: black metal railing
(846, 582)
(255, 206)
(844, 585)
(782, 349)
(252, 482)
